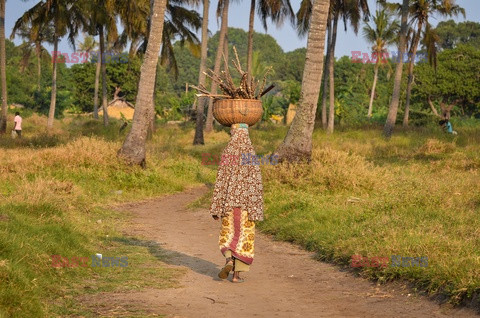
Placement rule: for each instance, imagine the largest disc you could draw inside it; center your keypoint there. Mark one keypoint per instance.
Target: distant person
(18, 124)
(447, 125)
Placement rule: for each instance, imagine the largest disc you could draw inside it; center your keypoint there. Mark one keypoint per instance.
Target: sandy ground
(284, 281)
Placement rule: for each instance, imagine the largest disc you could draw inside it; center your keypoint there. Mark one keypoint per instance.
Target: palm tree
(331, 64)
(420, 11)
(27, 52)
(349, 10)
(297, 145)
(180, 24)
(102, 21)
(34, 35)
(381, 35)
(223, 8)
(325, 77)
(66, 17)
(103, 67)
(277, 10)
(88, 45)
(134, 17)
(133, 149)
(3, 69)
(303, 23)
(198, 139)
(393, 109)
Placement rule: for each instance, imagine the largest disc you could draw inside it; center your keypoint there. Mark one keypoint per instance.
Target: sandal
(227, 269)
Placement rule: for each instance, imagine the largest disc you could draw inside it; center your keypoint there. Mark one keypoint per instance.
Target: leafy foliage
(22, 82)
(452, 34)
(460, 65)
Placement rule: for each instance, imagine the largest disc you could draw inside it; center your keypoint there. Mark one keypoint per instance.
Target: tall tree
(349, 10)
(67, 18)
(383, 33)
(325, 78)
(103, 68)
(331, 65)
(101, 21)
(297, 145)
(223, 9)
(88, 45)
(420, 11)
(181, 23)
(451, 34)
(393, 108)
(133, 149)
(198, 139)
(303, 23)
(34, 37)
(454, 66)
(277, 10)
(3, 69)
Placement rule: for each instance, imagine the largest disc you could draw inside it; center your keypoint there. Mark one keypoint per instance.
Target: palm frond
(303, 17)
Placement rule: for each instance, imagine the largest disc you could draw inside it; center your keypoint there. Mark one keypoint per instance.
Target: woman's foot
(236, 278)
(226, 269)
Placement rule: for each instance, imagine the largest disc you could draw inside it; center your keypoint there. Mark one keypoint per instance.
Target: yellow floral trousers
(237, 239)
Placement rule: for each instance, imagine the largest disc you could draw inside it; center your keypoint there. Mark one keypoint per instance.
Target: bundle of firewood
(248, 89)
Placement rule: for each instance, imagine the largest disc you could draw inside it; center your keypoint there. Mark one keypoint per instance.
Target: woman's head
(17, 114)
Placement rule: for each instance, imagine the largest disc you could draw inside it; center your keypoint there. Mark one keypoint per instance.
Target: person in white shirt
(18, 124)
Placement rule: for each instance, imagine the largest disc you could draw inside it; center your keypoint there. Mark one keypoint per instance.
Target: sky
(285, 35)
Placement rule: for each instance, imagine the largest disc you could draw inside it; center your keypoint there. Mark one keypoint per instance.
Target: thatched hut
(118, 106)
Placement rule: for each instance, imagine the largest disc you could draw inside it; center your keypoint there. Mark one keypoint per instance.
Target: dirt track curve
(284, 281)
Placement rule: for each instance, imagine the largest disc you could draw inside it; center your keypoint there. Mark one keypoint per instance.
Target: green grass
(54, 201)
(414, 195)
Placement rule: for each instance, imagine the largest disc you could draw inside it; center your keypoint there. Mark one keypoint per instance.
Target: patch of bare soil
(284, 281)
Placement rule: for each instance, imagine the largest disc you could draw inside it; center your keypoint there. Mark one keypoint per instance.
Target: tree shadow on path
(175, 258)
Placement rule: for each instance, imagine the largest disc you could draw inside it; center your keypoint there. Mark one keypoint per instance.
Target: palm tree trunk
(297, 145)
(411, 64)
(225, 47)
(133, 149)
(104, 76)
(38, 51)
(3, 69)
(218, 61)
(393, 109)
(97, 85)
(331, 77)
(152, 127)
(53, 100)
(198, 139)
(325, 74)
(250, 40)
(375, 77)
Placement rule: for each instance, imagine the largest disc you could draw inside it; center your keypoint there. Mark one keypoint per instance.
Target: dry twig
(246, 89)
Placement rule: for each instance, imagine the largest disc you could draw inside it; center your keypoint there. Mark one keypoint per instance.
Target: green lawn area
(417, 194)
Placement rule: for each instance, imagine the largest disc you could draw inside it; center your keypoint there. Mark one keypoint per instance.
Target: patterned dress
(238, 197)
(238, 236)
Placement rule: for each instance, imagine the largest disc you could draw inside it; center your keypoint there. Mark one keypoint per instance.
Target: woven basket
(237, 111)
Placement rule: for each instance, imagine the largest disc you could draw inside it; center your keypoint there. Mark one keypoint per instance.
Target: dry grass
(54, 202)
(415, 195)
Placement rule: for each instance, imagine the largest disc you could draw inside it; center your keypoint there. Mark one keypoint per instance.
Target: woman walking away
(238, 201)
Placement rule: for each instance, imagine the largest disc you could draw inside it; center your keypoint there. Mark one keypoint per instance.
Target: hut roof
(120, 102)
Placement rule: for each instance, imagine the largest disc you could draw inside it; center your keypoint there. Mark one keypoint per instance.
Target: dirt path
(284, 280)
